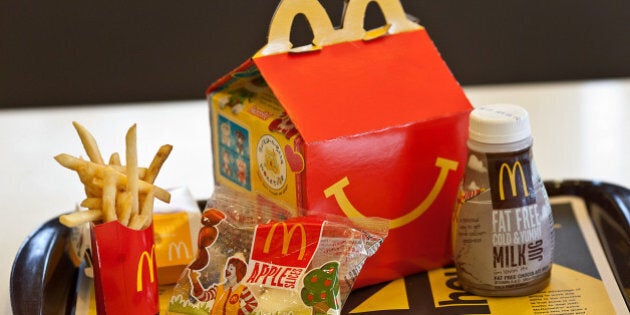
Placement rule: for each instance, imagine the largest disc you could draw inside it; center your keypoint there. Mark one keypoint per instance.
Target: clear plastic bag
(253, 257)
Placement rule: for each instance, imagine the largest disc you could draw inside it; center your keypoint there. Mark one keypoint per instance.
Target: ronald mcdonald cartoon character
(231, 296)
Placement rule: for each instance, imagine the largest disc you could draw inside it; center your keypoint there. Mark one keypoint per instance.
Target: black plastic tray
(43, 279)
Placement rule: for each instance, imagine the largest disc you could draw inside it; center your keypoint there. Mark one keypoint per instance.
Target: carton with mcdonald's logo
(129, 265)
(125, 278)
(175, 227)
(361, 123)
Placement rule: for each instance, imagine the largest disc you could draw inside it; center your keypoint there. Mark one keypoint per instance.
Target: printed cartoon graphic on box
(249, 118)
(234, 153)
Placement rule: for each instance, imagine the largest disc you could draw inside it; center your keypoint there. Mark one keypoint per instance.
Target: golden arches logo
(145, 256)
(178, 248)
(287, 235)
(346, 206)
(512, 177)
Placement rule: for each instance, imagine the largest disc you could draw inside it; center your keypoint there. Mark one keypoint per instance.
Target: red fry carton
(360, 123)
(124, 269)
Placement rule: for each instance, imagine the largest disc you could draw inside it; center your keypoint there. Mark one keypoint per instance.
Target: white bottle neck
(499, 147)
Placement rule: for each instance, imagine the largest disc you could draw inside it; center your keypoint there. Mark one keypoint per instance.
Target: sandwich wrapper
(362, 123)
(175, 227)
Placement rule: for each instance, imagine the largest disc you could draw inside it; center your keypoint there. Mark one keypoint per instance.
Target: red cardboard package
(124, 269)
(360, 123)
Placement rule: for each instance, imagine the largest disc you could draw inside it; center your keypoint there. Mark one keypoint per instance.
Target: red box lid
(359, 86)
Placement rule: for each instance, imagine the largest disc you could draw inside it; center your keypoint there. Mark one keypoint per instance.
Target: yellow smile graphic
(346, 206)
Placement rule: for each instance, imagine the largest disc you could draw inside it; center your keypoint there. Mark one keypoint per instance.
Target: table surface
(580, 131)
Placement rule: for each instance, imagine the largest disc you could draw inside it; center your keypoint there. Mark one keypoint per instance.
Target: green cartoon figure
(321, 288)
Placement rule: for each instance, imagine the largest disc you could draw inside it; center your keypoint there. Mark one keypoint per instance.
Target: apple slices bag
(253, 256)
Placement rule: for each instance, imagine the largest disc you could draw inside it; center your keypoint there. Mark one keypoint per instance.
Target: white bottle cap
(499, 123)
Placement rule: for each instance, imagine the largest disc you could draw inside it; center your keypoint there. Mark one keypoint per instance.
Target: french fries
(115, 191)
(80, 217)
(132, 170)
(89, 144)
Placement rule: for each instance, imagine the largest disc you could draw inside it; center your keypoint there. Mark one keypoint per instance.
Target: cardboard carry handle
(323, 31)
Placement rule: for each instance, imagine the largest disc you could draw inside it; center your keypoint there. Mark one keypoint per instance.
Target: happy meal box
(360, 123)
